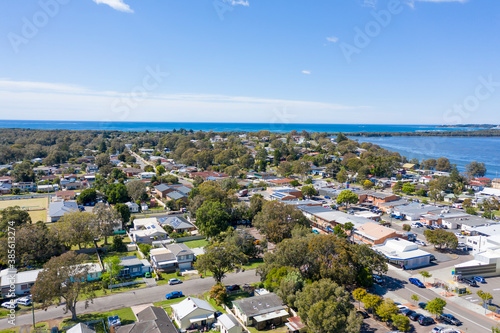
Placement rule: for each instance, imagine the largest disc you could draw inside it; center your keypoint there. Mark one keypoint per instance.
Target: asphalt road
(472, 321)
(131, 298)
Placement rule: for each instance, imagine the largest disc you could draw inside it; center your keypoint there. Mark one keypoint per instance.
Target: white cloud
(306, 72)
(243, 3)
(116, 4)
(42, 100)
(332, 39)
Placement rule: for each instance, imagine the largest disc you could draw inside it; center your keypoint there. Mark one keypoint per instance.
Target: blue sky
(323, 61)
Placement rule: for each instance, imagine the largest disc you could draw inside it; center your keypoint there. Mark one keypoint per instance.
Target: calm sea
(459, 151)
(216, 127)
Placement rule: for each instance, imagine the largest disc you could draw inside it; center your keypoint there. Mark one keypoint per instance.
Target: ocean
(459, 151)
(218, 127)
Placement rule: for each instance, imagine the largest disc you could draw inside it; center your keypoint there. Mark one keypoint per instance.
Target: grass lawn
(166, 277)
(29, 204)
(253, 263)
(166, 304)
(107, 292)
(10, 330)
(197, 243)
(126, 316)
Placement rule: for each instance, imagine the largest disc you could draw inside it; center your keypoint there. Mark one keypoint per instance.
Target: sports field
(33, 207)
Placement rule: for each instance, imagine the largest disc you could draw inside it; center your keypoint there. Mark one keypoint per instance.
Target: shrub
(218, 293)
(406, 227)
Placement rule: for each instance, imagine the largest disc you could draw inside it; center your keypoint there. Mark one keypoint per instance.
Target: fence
(125, 284)
(20, 197)
(189, 238)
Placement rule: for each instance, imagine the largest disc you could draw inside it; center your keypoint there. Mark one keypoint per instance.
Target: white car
(23, 301)
(401, 308)
(9, 305)
(416, 225)
(419, 242)
(459, 234)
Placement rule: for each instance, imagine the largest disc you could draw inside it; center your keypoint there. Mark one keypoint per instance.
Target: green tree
(325, 306)
(285, 168)
(485, 296)
(123, 211)
(15, 215)
(160, 170)
(347, 197)
(475, 169)
(107, 219)
(218, 293)
(408, 188)
(441, 239)
(436, 306)
(118, 245)
(386, 310)
(277, 220)
(371, 301)
(308, 191)
(136, 190)
(211, 218)
(113, 269)
(77, 228)
(443, 164)
(401, 322)
(415, 298)
(64, 278)
(406, 227)
(367, 184)
(219, 259)
(425, 274)
(117, 193)
(341, 137)
(342, 176)
(358, 294)
(232, 171)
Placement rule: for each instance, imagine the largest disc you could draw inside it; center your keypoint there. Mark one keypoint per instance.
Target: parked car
(430, 227)
(407, 312)
(114, 321)
(24, 301)
(425, 321)
(415, 316)
(378, 279)
(234, 287)
(479, 279)
(402, 308)
(459, 234)
(174, 281)
(174, 294)
(470, 282)
(416, 282)
(450, 319)
(419, 242)
(422, 305)
(10, 305)
(364, 314)
(433, 258)
(417, 225)
(438, 329)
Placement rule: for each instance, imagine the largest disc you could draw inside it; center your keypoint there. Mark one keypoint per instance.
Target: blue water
(216, 127)
(459, 151)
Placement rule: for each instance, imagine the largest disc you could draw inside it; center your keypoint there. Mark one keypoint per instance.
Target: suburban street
(196, 286)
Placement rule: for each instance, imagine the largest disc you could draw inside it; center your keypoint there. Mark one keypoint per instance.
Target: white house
(228, 324)
(59, 208)
(147, 230)
(193, 313)
(23, 281)
(403, 253)
(132, 207)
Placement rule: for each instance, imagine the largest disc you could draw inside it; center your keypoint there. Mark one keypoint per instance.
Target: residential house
(147, 175)
(176, 195)
(26, 186)
(409, 166)
(92, 168)
(6, 179)
(81, 328)
(284, 193)
(132, 172)
(261, 311)
(95, 271)
(193, 313)
(133, 207)
(403, 253)
(65, 195)
(147, 230)
(5, 188)
(377, 198)
(172, 257)
(59, 208)
(295, 325)
(48, 188)
(495, 183)
(162, 189)
(150, 320)
(209, 175)
(22, 281)
(134, 267)
(178, 223)
(374, 233)
(228, 324)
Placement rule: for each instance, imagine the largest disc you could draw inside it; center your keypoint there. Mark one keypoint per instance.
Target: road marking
(496, 289)
(473, 300)
(468, 297)
(457, 314)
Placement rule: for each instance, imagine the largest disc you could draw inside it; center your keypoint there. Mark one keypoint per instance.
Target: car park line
(456, 314)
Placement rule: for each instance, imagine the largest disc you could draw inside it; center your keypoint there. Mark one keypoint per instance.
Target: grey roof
(183, 189)
(179, 249)
(132, 204)
(228, 321)
(80, 328)
(258, 305)
(5, 186)
(130, 261)
(163, 257)
(395, 203)
(175, 195)
(380, 195)
(176, 222)
(62, 207)
(151, 320)
(162, 187)
(314, 209)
